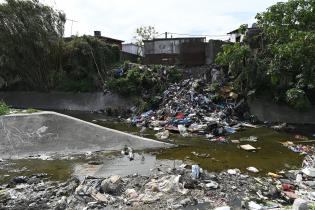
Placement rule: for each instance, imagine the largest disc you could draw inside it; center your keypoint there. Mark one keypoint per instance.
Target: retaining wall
(64, 100)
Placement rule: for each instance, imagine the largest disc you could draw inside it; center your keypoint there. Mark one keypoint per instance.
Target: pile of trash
(196, 106)
(166, 188)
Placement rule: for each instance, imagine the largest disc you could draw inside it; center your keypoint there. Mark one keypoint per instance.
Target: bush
(144, 81)
(4, 108)
(298, 99)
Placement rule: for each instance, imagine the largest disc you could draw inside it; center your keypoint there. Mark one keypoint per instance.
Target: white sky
(120, 18)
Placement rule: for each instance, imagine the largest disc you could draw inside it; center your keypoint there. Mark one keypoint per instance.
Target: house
(236, 36)
(171, 51)
(132, 49)
(190, 51)
(108, 40)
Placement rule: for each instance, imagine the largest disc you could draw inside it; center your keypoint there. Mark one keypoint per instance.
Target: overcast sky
(120, 18)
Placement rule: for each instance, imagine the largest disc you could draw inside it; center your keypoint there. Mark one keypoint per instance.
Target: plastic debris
(187, 109)
(248, 147)
(195, 171)
(254, 206)
(252, 169)
(163, 135)
(233, 171)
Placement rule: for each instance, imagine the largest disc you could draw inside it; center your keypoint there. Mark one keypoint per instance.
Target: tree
(30, 43)
(144, 33)
(285, 57)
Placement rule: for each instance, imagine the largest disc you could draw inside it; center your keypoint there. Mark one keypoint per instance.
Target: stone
(19, 180)
(112, 186)
(131, 193)
(300, 204)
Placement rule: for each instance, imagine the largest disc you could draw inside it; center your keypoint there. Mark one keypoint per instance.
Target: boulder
(300, 204)
(112, 185)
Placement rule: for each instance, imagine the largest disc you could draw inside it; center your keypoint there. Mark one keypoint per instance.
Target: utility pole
(72, 21)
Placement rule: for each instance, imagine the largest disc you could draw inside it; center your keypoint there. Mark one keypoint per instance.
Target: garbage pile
(196, 106)
(166, 188)
(172, 188)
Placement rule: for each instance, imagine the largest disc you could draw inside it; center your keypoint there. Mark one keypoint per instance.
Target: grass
(4, 108)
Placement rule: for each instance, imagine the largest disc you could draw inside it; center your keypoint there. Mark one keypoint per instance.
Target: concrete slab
(53, 133)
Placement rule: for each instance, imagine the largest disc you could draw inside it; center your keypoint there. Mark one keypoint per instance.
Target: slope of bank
(50, 132)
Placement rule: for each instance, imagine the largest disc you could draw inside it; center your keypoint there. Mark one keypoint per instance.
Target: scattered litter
(252, 169)
(233, 171)
(249, 139)
(248, 147)
(195, 171)
(163, 135)
(254, 206)
(212, 185)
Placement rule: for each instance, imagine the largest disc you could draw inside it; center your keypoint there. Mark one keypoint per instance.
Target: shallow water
(271, 156)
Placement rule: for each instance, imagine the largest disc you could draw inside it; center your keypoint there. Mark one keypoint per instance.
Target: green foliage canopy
(30, 36)
(283, 58)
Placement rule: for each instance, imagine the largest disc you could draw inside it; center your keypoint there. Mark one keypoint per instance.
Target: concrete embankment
(65, 100)
(49, 132)
(266, 110)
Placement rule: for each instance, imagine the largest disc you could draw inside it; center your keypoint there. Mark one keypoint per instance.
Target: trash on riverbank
(248, 147)
(186, 108)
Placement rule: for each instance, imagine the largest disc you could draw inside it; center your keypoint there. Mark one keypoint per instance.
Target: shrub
(4, 108)
(298, 99)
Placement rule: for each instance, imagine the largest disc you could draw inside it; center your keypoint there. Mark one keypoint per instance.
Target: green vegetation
(34, 55)
(4, 108)
(141, 80)
(86, 64)
(281, 57)
(31, 110)
(143, 83)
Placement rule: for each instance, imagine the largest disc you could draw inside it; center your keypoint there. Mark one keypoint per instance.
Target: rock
(112, 186)
(62, 203)
(4, 196)
(131, 193)
(185, 202)
(33, 180)
(19, 180)
(300, 204)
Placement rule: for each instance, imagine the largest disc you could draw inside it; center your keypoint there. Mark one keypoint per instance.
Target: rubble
(196, 107)
(164, 188)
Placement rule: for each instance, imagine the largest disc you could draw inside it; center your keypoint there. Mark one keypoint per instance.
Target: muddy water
(272, 156)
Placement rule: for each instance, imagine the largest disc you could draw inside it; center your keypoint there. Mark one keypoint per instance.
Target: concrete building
(186, 51)
(132, 49)
(191, 51)
(236, 36)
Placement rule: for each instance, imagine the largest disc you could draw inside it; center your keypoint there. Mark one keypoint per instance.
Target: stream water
(271, 156)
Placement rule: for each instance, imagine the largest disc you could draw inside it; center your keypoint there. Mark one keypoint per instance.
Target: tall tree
(30, 43)
(283, 59)
(144, 33)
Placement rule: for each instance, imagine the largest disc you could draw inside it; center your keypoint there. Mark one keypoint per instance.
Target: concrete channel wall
(266, 110)
(64, 100)
(53, 133)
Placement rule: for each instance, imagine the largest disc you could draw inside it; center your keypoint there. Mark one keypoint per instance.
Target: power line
(72, 21)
